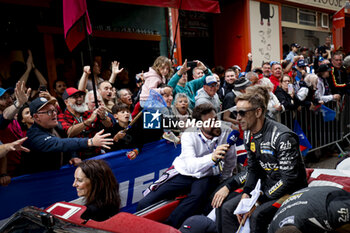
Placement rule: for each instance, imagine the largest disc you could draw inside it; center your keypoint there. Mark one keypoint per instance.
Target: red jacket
(275, 81)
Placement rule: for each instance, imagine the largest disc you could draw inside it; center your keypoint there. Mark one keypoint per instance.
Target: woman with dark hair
(95, 181)
(286, 96)
(24, 118)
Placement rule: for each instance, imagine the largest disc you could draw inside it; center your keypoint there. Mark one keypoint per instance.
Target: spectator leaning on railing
(338, 81)
(323, 91)
(46, 147)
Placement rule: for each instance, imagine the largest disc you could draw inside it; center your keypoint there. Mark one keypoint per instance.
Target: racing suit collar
(259, 133)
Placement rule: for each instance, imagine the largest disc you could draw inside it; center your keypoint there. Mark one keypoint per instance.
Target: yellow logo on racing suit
(252, 146)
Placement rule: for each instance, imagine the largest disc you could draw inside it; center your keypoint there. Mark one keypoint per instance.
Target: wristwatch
(16, 104)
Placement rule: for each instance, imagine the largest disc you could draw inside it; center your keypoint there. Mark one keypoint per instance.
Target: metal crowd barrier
(320, 133)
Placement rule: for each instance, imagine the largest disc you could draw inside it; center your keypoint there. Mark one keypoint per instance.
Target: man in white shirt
(197, 166)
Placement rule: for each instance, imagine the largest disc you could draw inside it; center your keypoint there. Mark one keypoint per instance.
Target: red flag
(339, 19)
(73, 22)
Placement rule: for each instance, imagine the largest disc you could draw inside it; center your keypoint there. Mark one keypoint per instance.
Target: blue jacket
(46, 149)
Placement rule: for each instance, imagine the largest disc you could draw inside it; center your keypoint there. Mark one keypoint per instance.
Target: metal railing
(320, 133)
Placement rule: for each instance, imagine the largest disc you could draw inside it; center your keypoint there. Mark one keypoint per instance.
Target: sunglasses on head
(274, 62)
(243, 112)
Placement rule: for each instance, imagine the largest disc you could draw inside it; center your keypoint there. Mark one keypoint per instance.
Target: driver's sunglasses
(243, 112)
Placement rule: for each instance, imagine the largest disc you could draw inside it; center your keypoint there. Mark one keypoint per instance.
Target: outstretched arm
(39, 76)
(248, 68)
(115, 71)
(84, 78)
(25, 76)
(291, 63)
(13, 146)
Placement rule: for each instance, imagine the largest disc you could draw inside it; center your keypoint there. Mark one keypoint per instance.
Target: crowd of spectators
(293, 83)
(42, 131)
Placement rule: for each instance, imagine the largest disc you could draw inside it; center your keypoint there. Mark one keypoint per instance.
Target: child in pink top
(157, 75)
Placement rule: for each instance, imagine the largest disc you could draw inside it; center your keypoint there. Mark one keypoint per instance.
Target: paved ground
(329, 162)
(326, 158)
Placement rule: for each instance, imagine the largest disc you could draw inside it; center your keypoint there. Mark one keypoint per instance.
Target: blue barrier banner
(304, 143)
(134, 176)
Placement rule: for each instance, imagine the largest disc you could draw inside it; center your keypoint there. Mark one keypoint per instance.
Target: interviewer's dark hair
(201, 110)
(104, 186)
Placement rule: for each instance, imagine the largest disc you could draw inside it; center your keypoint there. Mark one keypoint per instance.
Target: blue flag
(327, 113)
(304, 144)
(155, 101)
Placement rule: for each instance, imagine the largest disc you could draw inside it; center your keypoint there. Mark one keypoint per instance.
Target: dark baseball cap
(3, 91)
(323, 68)
(71, 91)
(38, 104)
(198, 224)
(301, 63)
(304, 49)
(295, 45)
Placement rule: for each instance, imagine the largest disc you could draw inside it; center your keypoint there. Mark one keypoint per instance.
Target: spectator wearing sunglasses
(273, 156)
(46, 146)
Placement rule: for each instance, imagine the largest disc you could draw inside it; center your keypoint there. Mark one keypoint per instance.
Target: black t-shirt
(229, 102)
(133, 138)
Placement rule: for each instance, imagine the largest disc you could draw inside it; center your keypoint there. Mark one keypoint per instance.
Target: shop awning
(210, 6)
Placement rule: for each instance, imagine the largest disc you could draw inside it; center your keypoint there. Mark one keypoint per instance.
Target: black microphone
(231, 140)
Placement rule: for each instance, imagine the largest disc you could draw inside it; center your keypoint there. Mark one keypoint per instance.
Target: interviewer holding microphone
(195, 171)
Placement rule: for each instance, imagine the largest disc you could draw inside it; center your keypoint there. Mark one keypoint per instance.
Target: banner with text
(134, 176)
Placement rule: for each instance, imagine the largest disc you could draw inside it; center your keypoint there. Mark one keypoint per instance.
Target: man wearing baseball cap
(208, 93)
(293, 52)
(78, 121)
(301, 69)
(45, 146)
(239, 87)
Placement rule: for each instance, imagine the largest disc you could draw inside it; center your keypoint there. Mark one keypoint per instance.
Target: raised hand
(21, 94)
(183, 68)
(115, 68)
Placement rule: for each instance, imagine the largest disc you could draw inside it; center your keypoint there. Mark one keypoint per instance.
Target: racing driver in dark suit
(273, 156)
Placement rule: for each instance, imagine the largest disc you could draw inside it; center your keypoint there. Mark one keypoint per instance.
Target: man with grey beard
(79, 121)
